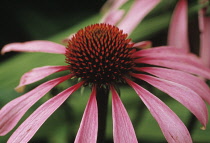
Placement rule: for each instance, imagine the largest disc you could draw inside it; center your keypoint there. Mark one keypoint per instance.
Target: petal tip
(4, 50)
(20, 89)
(203, 128)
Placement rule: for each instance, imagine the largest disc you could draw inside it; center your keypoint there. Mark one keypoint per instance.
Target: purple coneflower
(101, 56)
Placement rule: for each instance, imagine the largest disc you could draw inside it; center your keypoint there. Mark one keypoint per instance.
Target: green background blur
(54, 20)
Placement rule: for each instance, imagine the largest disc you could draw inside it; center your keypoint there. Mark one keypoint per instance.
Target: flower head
(100, 54)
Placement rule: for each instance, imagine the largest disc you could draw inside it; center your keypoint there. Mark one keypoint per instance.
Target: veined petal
(29, 127)
(137, 12)
(168, 53)
(38, 74)
(204, 26)
(172, 127)
(35, 46)
(183, 94)
(157, 50)
(12, 112)
(187, 58)
(178, 31)
(89, 125)
(187, 67)
(188, 80)
(122, 127)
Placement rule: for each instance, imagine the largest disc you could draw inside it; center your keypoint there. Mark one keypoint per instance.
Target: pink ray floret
(122, 127)
(204, 26)
(89, 124)
(178, 33)
(190, 81)
(172, 127)
(37, 74)
(12, 112)
(139, 10)
(114, 13)
(184, 95)
(35, 46)
(29, 127)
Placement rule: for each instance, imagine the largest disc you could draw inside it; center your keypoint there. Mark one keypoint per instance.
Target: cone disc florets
(100, 54)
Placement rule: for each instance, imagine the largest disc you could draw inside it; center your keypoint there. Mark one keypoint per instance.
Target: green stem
(191, 123)
(102, 101)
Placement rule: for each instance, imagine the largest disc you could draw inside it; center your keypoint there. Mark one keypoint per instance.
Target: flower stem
(102, 101)
(191, 123)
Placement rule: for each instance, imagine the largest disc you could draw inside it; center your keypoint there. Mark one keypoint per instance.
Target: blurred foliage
(26, 20)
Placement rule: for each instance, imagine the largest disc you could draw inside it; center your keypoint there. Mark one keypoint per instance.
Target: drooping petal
(38, 74)
(168, 53)
(30, 126)
(113, 17)
(178, 31)
(172, 127)
(123, 130)
(183, 94)
(188, 80)
(12, 112)
(113, 13)
(156, 50)
(204, 26)
(35, 46)
(183, 66)
(137, 12)
(89, 125)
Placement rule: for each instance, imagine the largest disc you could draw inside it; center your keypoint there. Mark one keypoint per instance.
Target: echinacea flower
(102, 55)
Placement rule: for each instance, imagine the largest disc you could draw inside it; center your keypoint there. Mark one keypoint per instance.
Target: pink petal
(113, 13)
(35, 46)
(178, 31)
(30, 126)
(12, 112)
(168, 53)
(188, 80)
(122, 127)
(157, 50)
(204, 25)
(137, 12)
(113, 17)
(89, 125)
(113, 4)
(183, 94)
(172, 127)
(179, 65)
(38, 74)
(143, 45)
